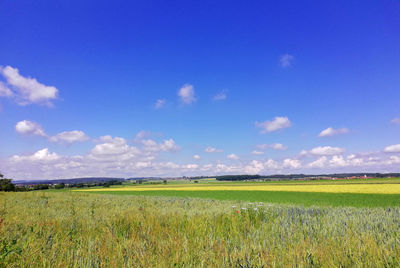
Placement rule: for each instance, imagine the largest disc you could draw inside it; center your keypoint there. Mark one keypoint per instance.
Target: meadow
(76, 229)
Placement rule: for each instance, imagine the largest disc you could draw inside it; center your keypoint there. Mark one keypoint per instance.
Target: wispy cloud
(210, 149)
(286, 60)
(396, 121)
(332, 132)
(160, 103)
(220, 96)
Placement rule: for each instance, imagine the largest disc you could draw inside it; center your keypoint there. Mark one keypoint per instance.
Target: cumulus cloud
(41, 155)
(286, 60)
(186, 94)
(394, 120)
(233, 157)
(220, 96)
(69, 137)
(210, 149)
(27, 90)
(291, 163)
(5, 91)
(325, 150)
(319, 163)
(32, 128)
(392, 148)
(279, 122)
(29, 128)
(257, 152)
(160, 103)
(332, 132)
(165, 146)
(196, 157)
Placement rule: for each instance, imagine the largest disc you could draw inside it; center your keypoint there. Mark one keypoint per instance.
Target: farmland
(44, 229)
(209, 224)
(356, 193)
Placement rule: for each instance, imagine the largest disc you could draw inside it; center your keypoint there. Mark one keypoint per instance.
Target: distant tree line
(6, 185)
(238, 177)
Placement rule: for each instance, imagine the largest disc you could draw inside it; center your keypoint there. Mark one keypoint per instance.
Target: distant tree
(6, 185)
(41, 187)
(165, 181)
(60, 186)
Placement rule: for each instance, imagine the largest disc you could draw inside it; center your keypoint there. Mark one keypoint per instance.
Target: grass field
(76, 229)
(356, 193)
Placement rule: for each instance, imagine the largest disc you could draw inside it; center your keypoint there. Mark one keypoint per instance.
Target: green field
(69, 229)
(215, 190)
(299, 198)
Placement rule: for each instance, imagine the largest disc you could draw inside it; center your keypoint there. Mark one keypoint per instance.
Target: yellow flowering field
(343, 188)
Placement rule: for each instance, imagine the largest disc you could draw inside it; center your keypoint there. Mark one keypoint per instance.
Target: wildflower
(237, 211)
(244, 208)
(255, 209)
(233, 206)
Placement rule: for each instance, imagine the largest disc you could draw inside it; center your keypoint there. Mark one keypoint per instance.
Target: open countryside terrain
(356, 192)
(77, 229)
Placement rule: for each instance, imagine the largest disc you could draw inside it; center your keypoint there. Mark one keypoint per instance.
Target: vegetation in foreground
(39, 229)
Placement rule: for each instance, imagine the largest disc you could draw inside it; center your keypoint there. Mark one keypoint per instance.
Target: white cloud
(277, 123)
(392, 148)
(28, 90)
(5, 91)
(220, 96)
(190, 166)
(338, 161)
(271, 164)
(274, 146)
(233, 157)
(112, 147)
(196, 157)
(332, 131)
(70, 137)
(396, 121)
(143, 134)
(210, 149)
(257, 152)
(326, 150)
(254, 167)
(319, 163)
(160, 103)
(41, 155)
(186, 94)
(291, 163)
(286, 60)
(278, 146)
(29, 128)
(165, 146)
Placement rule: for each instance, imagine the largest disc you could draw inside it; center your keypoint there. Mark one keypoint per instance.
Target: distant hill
(144, 178)
(304, 176)
(68, 181)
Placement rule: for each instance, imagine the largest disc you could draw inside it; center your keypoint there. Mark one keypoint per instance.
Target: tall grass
(85, 230)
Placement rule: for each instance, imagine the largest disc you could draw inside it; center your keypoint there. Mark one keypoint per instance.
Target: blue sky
(267, 86)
